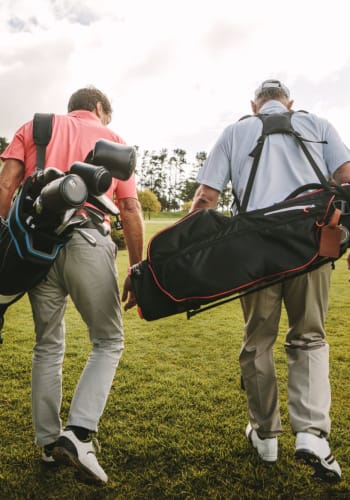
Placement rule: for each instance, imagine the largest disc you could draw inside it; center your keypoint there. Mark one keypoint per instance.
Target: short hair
(271, 89)
(87, 98)
(271, 93)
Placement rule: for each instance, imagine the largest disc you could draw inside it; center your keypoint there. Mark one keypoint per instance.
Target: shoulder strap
(278, 123)
(42, 130)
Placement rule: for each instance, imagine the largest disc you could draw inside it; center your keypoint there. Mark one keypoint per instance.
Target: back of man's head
(271, 89)
(87, 98)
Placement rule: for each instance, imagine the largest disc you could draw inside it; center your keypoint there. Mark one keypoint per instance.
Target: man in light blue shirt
(282, 168)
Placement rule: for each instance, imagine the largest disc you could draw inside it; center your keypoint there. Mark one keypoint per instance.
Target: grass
(174, 424)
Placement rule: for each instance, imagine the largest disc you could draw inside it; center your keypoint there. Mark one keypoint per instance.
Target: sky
(177, 72)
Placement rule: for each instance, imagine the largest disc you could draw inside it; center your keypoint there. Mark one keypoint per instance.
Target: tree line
(166, 181)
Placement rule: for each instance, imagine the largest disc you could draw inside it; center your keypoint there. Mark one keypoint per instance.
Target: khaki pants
(88, 275)
(306, 302)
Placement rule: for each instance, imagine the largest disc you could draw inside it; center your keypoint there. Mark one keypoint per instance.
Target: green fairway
(174, 424)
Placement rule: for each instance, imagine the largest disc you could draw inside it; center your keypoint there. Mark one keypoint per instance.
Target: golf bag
(207, 257)
(48, 207)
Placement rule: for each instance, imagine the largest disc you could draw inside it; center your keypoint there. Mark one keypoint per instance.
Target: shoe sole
(321, 472)
(63, 456)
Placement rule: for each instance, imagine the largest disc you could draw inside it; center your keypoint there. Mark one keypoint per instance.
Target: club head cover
(118, 159)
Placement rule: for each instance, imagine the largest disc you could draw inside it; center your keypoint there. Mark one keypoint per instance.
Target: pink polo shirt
(73, 136)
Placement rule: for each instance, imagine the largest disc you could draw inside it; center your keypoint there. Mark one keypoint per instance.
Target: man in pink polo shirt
(88, 275)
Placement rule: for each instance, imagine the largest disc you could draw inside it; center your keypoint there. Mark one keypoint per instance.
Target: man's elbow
(342, 174)
(130, 211)
(129, 205)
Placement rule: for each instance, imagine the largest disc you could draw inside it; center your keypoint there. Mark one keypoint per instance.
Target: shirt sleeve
(125, 189)
(215, 172)
(15, 150)
(335, 151)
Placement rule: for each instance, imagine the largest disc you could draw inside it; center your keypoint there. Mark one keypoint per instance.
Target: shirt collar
(273, 107)
(83, 113)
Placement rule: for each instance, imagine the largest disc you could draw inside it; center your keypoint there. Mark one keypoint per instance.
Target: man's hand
(205, 197)
(128, 294)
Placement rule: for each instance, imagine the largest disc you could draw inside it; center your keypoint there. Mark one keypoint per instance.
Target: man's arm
(133, 229)
(342, 174)
(11, 176)
(205, 197)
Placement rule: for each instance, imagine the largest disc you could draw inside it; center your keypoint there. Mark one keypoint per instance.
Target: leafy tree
(176, 178)
(142, 171)
(225, 199)
(186, 206)
(188, 189)
(3, 144)
(169, 177)
(200, 159)
(117, 234)
(153, 174)
(190, 185)
(149, 202)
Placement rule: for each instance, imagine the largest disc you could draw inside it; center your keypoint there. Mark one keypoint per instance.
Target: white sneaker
(81, 454)
(315, 451)
(266, 448)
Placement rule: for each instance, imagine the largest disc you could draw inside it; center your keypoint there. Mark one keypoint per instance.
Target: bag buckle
(342, 205)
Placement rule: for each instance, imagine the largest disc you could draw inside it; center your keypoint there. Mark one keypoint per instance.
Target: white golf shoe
(81, 454)
(315, 451)
(267, 448)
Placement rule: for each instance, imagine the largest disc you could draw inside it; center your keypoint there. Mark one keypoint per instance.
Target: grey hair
(270, 93)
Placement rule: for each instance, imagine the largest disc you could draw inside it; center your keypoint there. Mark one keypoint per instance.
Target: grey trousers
(309, 396)
(88, 275)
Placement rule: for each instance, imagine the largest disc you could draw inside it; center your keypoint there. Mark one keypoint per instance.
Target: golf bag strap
(42, 130)
(334, 221)
(278, 123)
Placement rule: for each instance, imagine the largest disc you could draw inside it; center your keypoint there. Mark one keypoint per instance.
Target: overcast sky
(177, 72)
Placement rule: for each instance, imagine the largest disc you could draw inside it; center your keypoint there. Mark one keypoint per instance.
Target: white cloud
(176, 72)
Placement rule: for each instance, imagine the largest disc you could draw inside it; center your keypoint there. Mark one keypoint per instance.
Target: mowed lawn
(174, 424)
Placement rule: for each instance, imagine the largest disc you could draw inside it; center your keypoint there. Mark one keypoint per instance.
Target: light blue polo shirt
(283, 166)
